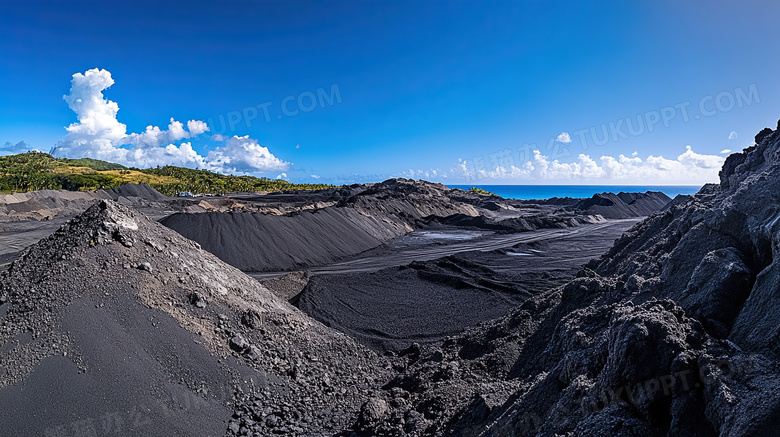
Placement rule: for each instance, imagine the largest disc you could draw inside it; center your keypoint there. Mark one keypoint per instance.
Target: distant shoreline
(527, 192)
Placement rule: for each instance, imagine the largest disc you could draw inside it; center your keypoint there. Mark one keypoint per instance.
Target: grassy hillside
(37, 171)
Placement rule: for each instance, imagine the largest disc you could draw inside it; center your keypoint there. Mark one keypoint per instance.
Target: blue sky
(456, 92)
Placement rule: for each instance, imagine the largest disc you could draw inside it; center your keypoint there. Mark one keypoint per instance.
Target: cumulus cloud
(433, 173)
(98, 134)
(10, 148)
(155, 137)
(563, 137)
(281, 176)
(688, 168)
(733, 135)
(244, 155)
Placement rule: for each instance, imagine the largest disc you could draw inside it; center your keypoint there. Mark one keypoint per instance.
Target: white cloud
(11, 149)
(243, 155)
(691, 159)
(98, 134)
(433, 173)
(733, 135)
(688, 168)
(563, 137)
(315, 176)
(97, 128)
(725, 151)
(281, 176)
(155, 137)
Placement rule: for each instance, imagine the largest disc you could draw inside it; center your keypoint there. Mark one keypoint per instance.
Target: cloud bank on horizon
(688, 168)
(99, 134)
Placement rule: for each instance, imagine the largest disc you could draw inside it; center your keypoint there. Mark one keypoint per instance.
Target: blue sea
(525, 192)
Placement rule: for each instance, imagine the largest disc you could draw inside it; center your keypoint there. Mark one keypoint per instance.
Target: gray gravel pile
(114, 314)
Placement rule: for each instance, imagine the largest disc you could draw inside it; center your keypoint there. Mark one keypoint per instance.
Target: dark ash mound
(48, 204)
(116, 324)
(394, 307)
(611, 205)
(624, 205)
(141, 191)
(362, 217)
(674, 332)
(264, 242)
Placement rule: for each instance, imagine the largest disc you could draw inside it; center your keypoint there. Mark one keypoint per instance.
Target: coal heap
(117, 325)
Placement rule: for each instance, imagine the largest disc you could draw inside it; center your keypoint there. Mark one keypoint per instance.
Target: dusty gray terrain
(452, 314)
(430, 296)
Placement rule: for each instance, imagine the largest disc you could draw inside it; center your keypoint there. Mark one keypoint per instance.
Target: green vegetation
(94, 164)
(481, 191)
(37, 171)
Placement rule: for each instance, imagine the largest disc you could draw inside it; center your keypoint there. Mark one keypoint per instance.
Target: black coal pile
(611, 205)
(116, 325)
(139, 191)
(674, 332)
(624, 205)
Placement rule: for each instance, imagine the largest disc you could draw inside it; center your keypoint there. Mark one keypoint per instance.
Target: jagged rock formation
(675, 331)
(129, 328)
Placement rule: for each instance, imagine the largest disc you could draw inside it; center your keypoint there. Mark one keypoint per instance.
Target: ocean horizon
(527, 192)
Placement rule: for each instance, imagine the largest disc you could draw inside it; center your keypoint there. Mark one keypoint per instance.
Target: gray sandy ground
(133, 355)
(15, 236)
(438, 297)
